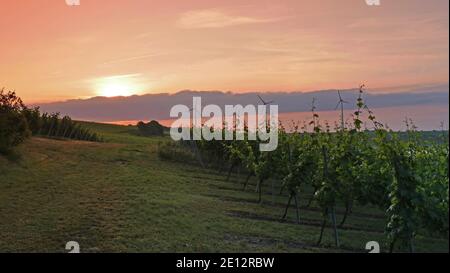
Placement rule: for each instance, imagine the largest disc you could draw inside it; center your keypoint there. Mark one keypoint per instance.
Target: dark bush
(13, 124)
(153, 128)
(33, 117)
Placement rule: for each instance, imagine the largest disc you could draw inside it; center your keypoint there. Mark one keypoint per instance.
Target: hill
(120, 196)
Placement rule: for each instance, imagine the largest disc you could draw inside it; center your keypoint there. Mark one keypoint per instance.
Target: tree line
(18, 122)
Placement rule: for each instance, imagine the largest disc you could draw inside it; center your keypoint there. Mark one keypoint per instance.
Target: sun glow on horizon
(115, 90)
(116, 86)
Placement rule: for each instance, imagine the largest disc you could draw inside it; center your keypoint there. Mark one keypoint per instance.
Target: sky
(51, 51)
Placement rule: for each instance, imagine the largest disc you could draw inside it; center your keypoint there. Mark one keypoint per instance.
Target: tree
(13, 124)
(153, 128)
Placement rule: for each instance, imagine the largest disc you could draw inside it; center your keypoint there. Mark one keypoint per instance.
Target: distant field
(118, 196)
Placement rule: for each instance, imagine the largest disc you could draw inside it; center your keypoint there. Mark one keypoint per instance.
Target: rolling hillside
(119, 196)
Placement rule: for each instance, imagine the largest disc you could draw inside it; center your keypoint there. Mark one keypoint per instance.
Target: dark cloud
(157, 106)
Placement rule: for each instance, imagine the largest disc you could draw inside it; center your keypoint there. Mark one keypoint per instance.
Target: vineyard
(400, 173)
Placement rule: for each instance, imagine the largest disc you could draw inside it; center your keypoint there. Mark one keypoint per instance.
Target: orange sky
(50, 51)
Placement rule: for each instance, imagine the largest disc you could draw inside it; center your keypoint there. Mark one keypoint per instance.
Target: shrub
(13, 124)
(33, 117)
(153, 128)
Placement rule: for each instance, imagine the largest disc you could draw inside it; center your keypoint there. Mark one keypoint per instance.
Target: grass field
(118, 196)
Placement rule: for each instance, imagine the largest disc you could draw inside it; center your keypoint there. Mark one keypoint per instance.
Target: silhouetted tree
(13, 124)
(153, 128)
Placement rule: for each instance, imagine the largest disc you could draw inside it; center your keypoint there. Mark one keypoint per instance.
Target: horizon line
(372, 91)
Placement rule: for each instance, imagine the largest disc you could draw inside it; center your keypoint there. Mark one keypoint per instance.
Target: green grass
(118, 196)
